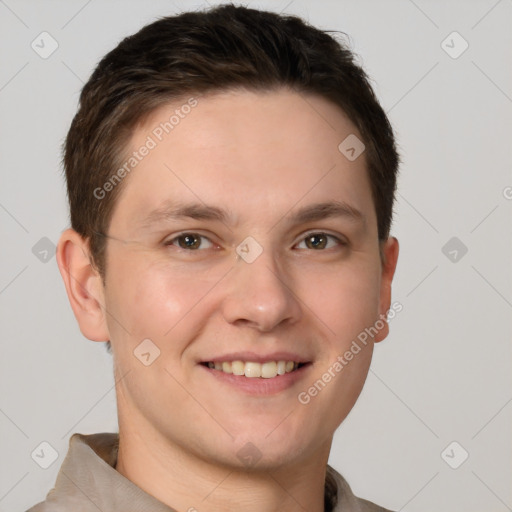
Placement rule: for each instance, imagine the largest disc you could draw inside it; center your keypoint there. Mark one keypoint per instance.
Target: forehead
(246, 152)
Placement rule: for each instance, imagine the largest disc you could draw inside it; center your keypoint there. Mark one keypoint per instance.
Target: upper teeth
(251, 369)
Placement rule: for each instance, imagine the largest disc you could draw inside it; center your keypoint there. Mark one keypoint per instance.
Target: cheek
(149, 300)
(345, 299)
(161, 301)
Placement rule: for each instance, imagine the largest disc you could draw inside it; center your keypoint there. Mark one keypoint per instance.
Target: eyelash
(171, 242)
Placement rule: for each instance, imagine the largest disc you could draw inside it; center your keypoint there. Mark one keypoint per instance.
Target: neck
(185, 482)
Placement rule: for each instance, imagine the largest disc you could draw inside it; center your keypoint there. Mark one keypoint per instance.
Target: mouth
(254, 370)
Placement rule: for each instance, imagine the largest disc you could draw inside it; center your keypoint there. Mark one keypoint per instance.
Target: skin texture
(262, 157)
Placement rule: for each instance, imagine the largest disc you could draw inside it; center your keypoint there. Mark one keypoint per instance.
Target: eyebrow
(311, 213)
(176, 211)
(320, 211)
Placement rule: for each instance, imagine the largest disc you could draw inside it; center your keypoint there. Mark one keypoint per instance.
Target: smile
(251, 369)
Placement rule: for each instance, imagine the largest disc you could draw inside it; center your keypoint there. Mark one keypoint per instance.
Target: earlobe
(83, 285)
(390, 249)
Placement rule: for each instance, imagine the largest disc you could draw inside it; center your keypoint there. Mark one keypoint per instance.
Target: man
(231, 179)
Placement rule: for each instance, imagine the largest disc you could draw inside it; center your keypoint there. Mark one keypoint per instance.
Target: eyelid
(340, 239)
(338, 236)
(169, 240)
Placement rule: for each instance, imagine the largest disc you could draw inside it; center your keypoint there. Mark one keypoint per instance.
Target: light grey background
(444, 373)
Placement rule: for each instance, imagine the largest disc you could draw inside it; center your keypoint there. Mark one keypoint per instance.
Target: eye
(319, 241)
(190, 241)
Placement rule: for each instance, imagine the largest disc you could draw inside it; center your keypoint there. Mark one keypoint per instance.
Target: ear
(389, 250)
(84, 285)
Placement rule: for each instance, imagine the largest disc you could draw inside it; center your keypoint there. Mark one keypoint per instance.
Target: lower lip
(259, 385)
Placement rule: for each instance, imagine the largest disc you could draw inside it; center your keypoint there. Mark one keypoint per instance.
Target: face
(243, 242)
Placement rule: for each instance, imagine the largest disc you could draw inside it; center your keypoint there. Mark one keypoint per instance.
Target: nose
(260, 295)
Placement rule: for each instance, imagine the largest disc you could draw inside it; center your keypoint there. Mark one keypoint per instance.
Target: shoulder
(344, 499)
(368, 506)
(86, 469)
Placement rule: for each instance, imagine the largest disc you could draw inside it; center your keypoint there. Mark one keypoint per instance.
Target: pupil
(317, 241)
(190, 241)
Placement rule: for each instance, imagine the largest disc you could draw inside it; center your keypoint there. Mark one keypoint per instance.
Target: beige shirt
(88, 482)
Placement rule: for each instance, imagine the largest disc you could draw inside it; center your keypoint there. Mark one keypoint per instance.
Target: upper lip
(258, 358)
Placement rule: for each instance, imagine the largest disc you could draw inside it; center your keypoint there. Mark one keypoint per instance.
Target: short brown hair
(198, 52)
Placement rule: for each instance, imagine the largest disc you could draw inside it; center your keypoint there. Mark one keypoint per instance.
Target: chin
(252, 458)
(271, 450)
